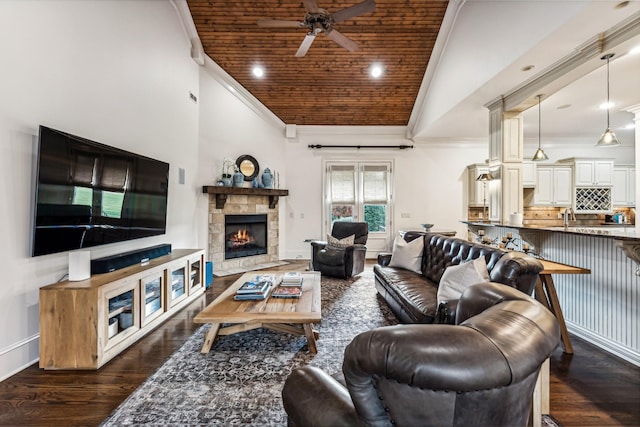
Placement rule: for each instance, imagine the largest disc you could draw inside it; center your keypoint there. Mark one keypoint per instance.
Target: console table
(84, 324)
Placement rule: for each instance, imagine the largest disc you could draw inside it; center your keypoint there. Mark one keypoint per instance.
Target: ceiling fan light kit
(318, 21)
(608, 138)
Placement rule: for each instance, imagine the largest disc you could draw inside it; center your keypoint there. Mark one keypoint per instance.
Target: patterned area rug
(239, 382)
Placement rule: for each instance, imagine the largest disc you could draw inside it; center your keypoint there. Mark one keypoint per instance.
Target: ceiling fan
(318, 20)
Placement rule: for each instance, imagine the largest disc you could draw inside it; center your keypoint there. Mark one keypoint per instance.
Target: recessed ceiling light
(258, 71)
(563, 106)
(528, 68)
(376, 71)
(606, 105)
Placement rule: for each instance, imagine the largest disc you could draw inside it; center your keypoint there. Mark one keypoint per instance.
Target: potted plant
(226, 174)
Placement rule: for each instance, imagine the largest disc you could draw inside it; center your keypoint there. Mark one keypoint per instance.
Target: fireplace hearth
(245, 235)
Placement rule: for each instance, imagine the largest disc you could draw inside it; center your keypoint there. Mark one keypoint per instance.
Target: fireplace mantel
(221, 193)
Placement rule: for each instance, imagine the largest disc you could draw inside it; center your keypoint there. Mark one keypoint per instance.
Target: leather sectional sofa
(413, 296)
(481, 371)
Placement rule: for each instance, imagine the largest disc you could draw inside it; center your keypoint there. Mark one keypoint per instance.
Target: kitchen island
(601, 307)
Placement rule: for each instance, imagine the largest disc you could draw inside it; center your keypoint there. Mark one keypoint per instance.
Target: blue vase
(267, 178)
(226, 181)
(238, 179)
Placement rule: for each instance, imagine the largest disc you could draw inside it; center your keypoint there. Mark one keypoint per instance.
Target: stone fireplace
(251, 207)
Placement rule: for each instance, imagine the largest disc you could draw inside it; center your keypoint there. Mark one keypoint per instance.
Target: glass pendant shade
(539, 155)
(484, 177)
(608, 138)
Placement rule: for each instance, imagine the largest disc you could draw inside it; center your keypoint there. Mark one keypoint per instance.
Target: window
(359, 191)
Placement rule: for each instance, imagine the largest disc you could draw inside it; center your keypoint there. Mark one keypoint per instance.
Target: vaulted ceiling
(329, 85)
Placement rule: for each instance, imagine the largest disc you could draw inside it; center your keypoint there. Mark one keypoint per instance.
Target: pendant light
(539, 155)
(608, 138)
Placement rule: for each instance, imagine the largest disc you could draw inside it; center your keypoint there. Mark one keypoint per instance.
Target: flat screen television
(90, 194)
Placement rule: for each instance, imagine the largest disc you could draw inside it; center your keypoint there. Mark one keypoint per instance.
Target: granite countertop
(617, 231)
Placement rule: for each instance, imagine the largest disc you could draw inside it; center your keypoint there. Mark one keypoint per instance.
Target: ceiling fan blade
(353, 11)
(342, 40)
(305, 45)
(279, 23)
(311, 6)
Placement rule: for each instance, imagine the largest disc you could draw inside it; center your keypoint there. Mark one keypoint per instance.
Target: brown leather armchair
(345, 262)
(480, 372)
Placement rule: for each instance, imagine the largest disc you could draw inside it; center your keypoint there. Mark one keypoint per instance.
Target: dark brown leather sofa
(413, 297)
(479, 372)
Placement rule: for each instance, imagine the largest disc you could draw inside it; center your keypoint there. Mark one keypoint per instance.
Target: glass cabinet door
(122, 313)
(195, 274)
(178, 284)
(152, 300)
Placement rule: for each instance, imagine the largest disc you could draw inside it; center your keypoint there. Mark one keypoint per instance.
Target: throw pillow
(457, 278)
(333, 243)
(407, 255)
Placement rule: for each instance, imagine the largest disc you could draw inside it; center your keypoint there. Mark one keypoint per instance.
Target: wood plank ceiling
(330, 85)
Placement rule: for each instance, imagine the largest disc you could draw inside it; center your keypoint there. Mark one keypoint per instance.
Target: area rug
(240, 380)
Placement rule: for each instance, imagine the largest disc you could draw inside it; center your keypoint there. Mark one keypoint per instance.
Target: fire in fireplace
(245, 235)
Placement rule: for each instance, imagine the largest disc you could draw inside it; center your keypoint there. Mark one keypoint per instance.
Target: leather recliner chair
(345, 262)
(479, 372)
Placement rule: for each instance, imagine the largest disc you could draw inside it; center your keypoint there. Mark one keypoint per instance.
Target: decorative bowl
(426, 227)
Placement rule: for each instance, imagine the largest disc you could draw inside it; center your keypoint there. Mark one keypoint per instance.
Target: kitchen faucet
(568, 211)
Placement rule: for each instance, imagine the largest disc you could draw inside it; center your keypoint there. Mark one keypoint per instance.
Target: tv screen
(90, 194)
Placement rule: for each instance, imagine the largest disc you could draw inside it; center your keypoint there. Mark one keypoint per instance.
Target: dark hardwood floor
(590, 388)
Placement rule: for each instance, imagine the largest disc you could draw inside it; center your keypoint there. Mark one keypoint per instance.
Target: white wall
(229, 129)
(118, 72)
(430, 183)
(562, 149)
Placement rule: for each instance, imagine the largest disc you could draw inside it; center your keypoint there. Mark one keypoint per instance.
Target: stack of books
(255, 289)
(287, 292)
(290, 286)
(291, 278)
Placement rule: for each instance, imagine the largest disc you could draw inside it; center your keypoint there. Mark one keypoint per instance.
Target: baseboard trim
(16, 346)
(19, 344)
(612, 347)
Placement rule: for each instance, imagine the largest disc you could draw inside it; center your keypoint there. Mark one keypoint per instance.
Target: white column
(635, 109)
(505, 162)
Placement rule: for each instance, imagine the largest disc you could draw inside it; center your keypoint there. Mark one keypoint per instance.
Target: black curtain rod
(400, 147)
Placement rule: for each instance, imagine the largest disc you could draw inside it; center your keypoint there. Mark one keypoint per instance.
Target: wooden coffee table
(291, 315)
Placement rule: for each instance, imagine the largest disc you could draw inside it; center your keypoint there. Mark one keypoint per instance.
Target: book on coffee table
(258, 295)
(253, 287)
(291, 278)
(287, 292)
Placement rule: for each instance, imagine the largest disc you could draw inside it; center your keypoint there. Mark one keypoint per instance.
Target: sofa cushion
(457, 278)
(415, 294)
(407, 254)
(333, 243)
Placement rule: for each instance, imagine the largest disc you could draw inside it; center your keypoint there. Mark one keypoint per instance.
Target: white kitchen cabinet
(624, 186)
(592, 172)
(554, 186)
(528, 174)
(477, 188)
